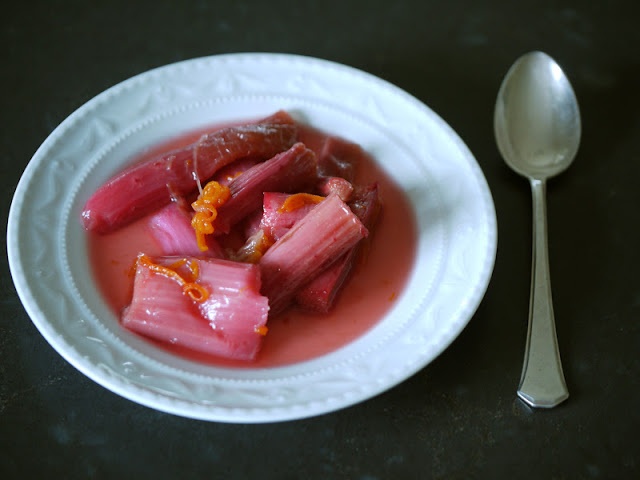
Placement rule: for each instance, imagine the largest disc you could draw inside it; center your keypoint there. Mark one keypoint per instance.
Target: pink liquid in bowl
(295, 335)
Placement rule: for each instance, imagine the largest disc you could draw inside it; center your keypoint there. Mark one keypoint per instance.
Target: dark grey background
(458, 417)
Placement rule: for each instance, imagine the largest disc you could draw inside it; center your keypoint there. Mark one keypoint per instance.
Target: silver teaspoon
(537, 128)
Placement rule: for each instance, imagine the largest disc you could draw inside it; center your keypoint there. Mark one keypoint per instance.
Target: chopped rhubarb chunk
(280, 212)
(327, 232)
(320, 294)
(339, 158)
(281, 116)
(290, 171)
(225, 175)
(171, 228)
(277, 221)
(229, 323)
(143, 188)
(366, 204)
(338, 185)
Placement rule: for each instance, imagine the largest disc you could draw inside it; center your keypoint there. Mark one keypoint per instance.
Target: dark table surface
(459, 416)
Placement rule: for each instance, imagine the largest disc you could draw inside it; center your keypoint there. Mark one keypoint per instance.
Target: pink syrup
(295, 335)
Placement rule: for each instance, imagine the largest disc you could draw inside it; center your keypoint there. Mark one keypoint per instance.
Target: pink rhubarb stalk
(143, 188)
(290, 171)
(275, 220)
(327, 232)
(339, 185)
(171, 228)
(230, 322)
(339, 158)
(320, 294)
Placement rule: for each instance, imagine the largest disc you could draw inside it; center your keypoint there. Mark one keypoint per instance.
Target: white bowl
(452, 204)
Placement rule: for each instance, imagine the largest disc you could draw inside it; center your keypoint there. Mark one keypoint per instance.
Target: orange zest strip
(261, 330)
(212, 197)
(191, 265)
(179, 263)
(299, 200)
(196, 291)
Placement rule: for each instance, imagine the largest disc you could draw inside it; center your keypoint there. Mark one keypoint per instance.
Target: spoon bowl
(537, 127)
(537, 120)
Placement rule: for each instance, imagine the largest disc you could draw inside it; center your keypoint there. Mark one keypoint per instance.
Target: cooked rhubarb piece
(328, 231)
(225, 175)
(290, 171)
(279, 215)
(280, 212)
(339, 158)
(320, 294)
(143, 188)
(366, 203)
(211, 306)
(339, 185)
(171, 228)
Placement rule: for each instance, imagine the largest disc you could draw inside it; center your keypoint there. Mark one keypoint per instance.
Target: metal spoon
(537, 128)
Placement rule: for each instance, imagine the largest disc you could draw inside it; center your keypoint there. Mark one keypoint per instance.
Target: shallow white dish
(453, 207)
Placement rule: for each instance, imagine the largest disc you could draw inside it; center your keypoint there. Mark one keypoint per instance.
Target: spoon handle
(542, 383)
